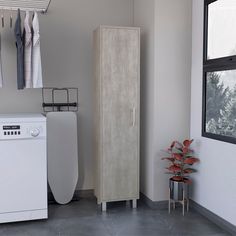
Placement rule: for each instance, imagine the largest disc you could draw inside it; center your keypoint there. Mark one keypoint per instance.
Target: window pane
(221, 103)
(222, 29)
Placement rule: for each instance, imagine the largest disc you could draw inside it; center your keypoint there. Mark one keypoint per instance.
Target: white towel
(36, 64)
(28, 51)
(1, 77)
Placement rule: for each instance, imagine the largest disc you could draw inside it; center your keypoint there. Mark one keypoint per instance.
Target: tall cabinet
(117, 112)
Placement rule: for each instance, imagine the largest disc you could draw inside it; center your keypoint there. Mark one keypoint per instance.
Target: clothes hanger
(11, 20)
(2, 17)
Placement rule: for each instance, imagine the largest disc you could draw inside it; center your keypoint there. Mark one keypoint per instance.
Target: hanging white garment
(28, 51)
(36, 57)
(1, 76)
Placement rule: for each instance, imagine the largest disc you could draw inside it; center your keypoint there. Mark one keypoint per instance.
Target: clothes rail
(25, 5)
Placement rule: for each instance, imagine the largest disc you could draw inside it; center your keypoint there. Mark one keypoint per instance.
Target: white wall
(166, 72)
(172, 77)
(67, 57)
(67, 61)
(215, 183)
(144, 17)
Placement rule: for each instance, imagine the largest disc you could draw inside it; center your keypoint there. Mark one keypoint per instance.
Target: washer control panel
(11, 130)
(22, 131)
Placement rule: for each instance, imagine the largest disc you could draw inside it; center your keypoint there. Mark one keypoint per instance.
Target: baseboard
(77, 195)
(154, 205)
(213, 218)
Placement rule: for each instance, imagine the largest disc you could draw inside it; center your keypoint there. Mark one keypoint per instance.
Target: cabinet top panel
(117, 27)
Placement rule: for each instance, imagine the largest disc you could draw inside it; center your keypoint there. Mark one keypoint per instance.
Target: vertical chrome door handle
(133, 116)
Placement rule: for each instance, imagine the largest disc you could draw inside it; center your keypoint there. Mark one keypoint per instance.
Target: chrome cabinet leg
(104, 206)
(134, 203)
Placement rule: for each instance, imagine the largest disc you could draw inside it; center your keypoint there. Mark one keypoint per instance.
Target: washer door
(23, 175)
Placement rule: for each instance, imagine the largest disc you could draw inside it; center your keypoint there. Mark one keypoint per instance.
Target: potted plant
(181, 158)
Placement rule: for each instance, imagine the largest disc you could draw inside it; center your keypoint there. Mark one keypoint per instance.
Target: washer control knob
(35, 132)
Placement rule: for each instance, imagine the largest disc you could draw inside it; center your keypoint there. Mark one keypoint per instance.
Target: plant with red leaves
(181, 158)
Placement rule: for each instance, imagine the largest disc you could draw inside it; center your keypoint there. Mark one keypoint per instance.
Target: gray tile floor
(83, 218)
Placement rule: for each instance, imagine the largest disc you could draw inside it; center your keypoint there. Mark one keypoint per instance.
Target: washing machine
(23, 167)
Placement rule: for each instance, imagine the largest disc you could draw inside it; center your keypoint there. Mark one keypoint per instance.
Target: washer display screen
(11, 127)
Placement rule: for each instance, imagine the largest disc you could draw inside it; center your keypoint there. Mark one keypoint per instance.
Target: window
(219, 71)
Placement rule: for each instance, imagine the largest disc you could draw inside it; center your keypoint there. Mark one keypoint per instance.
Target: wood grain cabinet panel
(117, 108)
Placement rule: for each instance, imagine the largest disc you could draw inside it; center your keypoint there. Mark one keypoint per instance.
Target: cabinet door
(120, 113)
